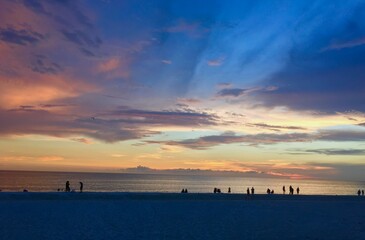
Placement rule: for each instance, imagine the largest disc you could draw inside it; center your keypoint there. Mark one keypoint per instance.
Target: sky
(266, 87)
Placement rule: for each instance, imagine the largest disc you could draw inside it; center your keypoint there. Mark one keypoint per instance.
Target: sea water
(127, 182)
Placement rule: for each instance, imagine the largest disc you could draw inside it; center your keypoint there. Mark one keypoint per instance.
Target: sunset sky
(263, 86)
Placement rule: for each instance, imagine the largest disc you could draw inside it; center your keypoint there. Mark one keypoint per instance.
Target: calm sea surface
(123, 182)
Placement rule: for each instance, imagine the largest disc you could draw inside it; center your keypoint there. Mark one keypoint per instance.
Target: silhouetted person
(182, 190)
(218, 190)
(272, 191)
(268, 191)
(25, 190)
(58, 189)
(298, 190)
(248, 191)
(362, 192)
(283, 189)
(68, 186)
(291, 190)
(215, 190)
(81, 187)
(229, 191)
(186, 190)
(358, 192)
(252, 191)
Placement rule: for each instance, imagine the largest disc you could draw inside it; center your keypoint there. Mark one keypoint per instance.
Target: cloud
(194, 29)
(43, 65)
(210, 141)
(119, 125)
(341, 135)
(82, 140)
(231, 138)
(188, 100)
(163, 118)
(82, 39)
(332, 151)
(20, 37)
(275, 127)
(238, 92)
(109, 65)
(233, 92)
(215, 62)
(349, 44)
(166, 61)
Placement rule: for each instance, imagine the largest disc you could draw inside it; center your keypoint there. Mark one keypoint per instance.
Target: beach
(59, 215)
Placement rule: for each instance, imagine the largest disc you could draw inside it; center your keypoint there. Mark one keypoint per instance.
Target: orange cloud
(115, 67)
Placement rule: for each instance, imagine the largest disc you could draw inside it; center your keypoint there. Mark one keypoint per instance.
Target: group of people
(291, 190)
(184, 190)
(68, 188)
(217, 190)
(252, 191)
(360, 192)
(268, 191)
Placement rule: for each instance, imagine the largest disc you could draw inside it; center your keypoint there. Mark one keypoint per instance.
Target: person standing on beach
(248, 191)
(358, 192)
(252, 191)
(81, 187)
(298, 190)
(291, 190)
(283, 189)
(68, 186)
(362, 192)
(229, 191)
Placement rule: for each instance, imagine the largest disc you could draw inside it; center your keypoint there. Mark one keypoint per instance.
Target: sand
(179, 216)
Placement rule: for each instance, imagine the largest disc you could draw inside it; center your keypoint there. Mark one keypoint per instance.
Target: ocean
(15, 181)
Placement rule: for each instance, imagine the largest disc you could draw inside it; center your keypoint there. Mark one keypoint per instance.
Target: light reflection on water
(121, 182)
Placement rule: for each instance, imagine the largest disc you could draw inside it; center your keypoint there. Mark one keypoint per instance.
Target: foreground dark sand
(179, 216)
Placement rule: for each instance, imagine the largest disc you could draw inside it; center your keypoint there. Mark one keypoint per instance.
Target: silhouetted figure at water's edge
(291, 190)
(81, 187)
(68, 186)
(283, 189)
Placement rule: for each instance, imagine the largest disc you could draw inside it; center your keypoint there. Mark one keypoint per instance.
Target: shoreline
(146, 196)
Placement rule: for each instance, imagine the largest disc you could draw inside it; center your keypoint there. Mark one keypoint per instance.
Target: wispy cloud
(231, 138)
(165, 61)
(20, 37)
(331, 151)
(275, 127)
(348, 44)
(206, 142)
(215, 62)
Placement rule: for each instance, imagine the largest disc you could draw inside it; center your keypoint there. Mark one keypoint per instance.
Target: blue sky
(190, 84)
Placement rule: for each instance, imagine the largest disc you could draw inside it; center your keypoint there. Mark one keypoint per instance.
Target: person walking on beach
(252, 191)
(298, 190)
(358, 192)
(229, 190)
(268, 191)
(248, 191)
(81, 187)
(362, 192)
(68, 186)
(283, 189)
